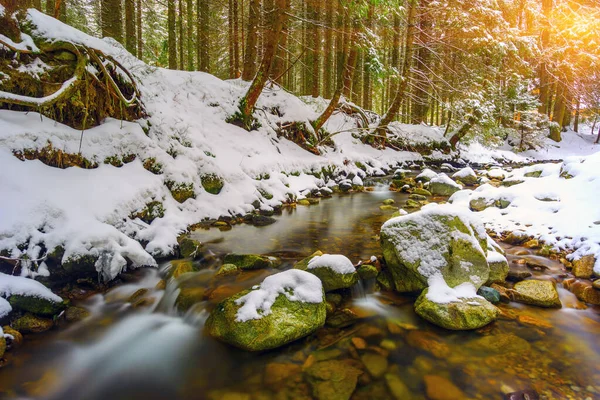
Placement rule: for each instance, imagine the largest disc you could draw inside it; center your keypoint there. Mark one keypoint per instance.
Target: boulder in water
(334, 270)
(284, 307)
(466, 176)
(537, 293)
(442, 185)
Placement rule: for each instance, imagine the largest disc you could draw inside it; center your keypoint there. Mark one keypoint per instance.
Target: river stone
(17, 338)
(584, 290)
(190, 248)
(584, 267)
(596, 284)
(537, 293)
(2, 345)
(533, 174)
(326, 272)
(421, 191)
(498, 267)
(35, 305)
(490, 294)
(251, 261)
(388, 208)
(500, 344)
(75, 314)
(227, 269)
(438, 239)
(442, 185)
(180, 267)
(30, 323)
(397, 387)
(410, 203)
(466, 314)
(388, 202)
(375, 363)
(333, 379)
(440, 388)
(367, 271)
(287, 321)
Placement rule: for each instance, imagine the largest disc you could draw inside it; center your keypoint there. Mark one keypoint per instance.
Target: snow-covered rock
(442, 185)
(283, 308)
(466, 176)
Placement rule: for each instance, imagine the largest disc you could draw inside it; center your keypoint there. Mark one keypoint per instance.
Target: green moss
(212, 183)
(83, 265)
(30, 323)
(288, 321)
(181, 191)
(360, 165)
(153, 166)
(36, 305)
(265, 194)
(150, 212)
(189, 248)
(251, 261)
(180, 267)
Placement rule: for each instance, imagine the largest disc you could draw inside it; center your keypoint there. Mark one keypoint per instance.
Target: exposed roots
(67, 82)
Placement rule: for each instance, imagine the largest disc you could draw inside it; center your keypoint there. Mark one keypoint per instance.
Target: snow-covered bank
(184, 140)
(559, 207)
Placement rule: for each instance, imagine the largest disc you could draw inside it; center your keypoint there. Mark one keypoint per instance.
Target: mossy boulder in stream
(2, 344)
(284, 307)
(334, 270)
(460, 314)
(442, 185)
(439, 239)
(251, 261)
(537, 293)
(36, 305)
(30, 323)
(498, 267)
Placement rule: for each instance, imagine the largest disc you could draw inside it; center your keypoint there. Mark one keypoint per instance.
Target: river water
(152, 351)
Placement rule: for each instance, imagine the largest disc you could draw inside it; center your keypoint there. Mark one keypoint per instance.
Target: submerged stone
(440, 388)
(189, 248)
(464, 314)
(30, 323)
(333, 379)
(375, 363)
(490, 294)
(421, 191)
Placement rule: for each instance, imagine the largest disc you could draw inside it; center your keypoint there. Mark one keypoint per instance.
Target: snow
(463, 173)
(439, 291)
(16, 285)
(445, 179)
(39, 100)
(428, 249)
(570, 222)
(336, 262)
(295, 284)
(495, 257)
(497, 173)
(427, 173)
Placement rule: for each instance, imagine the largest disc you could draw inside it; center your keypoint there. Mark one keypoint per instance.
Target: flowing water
(152, 351)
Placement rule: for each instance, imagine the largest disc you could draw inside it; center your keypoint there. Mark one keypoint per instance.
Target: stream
(152, 351)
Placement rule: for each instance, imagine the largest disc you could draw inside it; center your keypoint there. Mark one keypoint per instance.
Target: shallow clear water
(154, 352)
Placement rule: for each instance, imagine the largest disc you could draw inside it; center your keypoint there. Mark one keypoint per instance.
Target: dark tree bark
(251, 41)
(402, 85)
(367, 88)
(345, 81)
(543, 73)
(190, 34)
(315, 43)
(422, 59)
(139, 25)
(281, 60)
(328, 62)
(181, 41)
(203, 35)
(130, 34)
(171, 39)
(276, 17)
(112, 22)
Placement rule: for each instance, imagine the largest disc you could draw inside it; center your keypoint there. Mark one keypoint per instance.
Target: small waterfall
(358, 291)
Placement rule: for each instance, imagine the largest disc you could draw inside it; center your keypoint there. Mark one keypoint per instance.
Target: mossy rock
(150, 212)
(385, 280)
(188, 296)
(287, 322)
(190, 248)
(533, 174)
(212, 183)
(30, 323)
(17, 338)
(367, 271)
(181, 191)
(2, 346)
(466, 314)
(36, 305)
(180, 267)
(442, 188)
(303, 202)
(388, 208)
(417, 197)
(490, 294)
(388, 202)
(412, 204)
(537, 293)
(504, 343)
(251, 261)
(227, 269)
(584, 267)
(333, 379)
(421, 191)
(82, 265)
(75, 314)
(331, 279)
(457, 242)
(498, 267)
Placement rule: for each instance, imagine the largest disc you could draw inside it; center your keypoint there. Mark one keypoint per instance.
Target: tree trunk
(236, 41)
(203, 35)
(281, 59)
(543, 73)
(328, 65)
(190, 34)
(315, 42)
(276, 17)
(231, 39)
(112, 23)
(345, 80)
(50, 9)
(339, 41)
(140, 52)
(422, 60)
(172, 41)
(367, 95)
(392, 112)
(251, 41)
(180, 44)
(576, 122)
(464, 129)
(130, 37)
